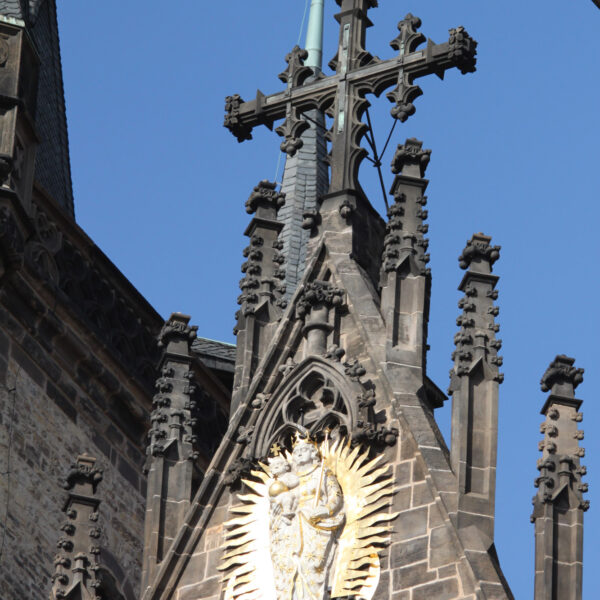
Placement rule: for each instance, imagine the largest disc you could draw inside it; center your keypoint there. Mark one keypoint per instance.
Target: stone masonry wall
(49, 420)
(422, 561)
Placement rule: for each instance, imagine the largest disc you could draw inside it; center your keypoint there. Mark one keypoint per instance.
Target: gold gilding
(366, 487)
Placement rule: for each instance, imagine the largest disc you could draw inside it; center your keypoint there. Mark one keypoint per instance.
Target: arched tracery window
(316, 396)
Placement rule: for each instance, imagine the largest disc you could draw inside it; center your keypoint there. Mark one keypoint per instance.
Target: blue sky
(160, 184)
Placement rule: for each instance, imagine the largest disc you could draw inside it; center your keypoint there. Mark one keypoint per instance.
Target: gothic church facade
(331, 354)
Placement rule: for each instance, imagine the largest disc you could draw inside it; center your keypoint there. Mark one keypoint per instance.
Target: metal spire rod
(314, 35)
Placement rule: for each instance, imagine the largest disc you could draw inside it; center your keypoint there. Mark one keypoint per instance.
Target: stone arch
(316, 395)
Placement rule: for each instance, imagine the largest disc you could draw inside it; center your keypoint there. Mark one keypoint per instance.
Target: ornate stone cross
(342, 95)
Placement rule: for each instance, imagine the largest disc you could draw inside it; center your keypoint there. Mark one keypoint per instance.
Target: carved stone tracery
(321, 394)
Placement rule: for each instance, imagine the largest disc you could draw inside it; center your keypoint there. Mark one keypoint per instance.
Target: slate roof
(215, 354)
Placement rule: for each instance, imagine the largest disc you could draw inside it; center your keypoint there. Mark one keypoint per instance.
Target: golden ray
(248, 537)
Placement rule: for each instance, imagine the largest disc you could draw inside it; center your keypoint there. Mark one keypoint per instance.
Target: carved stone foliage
(462, 50)
(478, 249)
(561, 372)
(294, 126)
(177, 329)
(411, 153)
(405, 93)
(78, 548)
(317, 305)
(232, 121)
(265, 195)
(83, 472)
(296, 73)
(239, 468)
(319, 293)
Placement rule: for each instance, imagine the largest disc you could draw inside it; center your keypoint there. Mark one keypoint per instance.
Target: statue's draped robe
(302, 551)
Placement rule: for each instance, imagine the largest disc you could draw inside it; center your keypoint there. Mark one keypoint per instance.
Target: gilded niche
(311, 526)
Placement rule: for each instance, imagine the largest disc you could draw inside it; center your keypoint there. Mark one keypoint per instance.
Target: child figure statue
(282, 493)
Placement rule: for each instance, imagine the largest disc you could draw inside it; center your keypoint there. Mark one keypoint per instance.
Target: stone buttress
(558, 505)
(474, 382)
(186, 424)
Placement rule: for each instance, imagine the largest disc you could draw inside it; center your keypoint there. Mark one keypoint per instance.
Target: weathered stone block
(405, 553)
(421, 495)
(383, 589)
(440, 590)
(401, 499)
(418, 473)
(204, 589)
(413, 575)
(411, 523)
(61, 401)
(27, 364)
(441, 548)
(128, 472)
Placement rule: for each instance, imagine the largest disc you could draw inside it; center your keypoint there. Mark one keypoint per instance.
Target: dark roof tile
(214, 349)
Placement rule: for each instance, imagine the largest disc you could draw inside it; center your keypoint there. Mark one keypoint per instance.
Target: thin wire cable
(377, 161)
(303, 21)
(389, 138)
(277, 169)
(316, 123)
(302, 24)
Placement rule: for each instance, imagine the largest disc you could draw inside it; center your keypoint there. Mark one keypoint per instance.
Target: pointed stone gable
(328, 365)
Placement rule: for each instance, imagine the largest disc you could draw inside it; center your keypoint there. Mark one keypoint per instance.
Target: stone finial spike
(479, 255)
(406, 225)
(263, 286)
(77, 559)
(559, 504)
(474, 382)
(404, 276)
(174, 444)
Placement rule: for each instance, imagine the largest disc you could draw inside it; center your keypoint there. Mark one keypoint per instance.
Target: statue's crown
(300, 439)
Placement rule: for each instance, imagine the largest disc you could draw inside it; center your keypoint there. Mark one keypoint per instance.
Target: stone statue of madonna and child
(306, 518)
